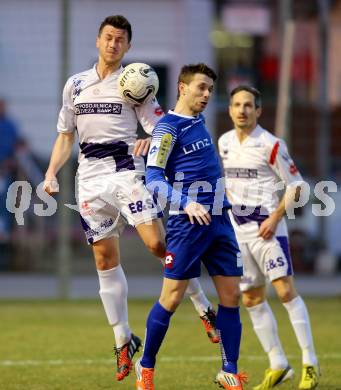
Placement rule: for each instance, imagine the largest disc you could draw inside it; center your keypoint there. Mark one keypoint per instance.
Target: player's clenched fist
(51, 185)
(197, 211)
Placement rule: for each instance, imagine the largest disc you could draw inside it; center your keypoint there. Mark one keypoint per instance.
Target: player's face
(197, 93)
(243, 111)
(112, 44)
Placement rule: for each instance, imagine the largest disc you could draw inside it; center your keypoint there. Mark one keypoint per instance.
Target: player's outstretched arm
(197, 211)
(60, 154)
(141, 147)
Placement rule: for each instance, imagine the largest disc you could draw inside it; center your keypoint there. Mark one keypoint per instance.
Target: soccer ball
(138, 83)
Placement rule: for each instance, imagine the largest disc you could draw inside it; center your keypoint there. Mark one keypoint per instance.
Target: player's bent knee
(106, 255)
(285, 289)
(286, 295)
(230, 297)
(171, 302)
(103, 263)
(250, 300)
(157, 248)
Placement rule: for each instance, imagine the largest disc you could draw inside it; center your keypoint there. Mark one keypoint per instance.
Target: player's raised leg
(299, 318)
(152, 234)
(265, 327)
(156, 329)
(114, 292)
(230, 329)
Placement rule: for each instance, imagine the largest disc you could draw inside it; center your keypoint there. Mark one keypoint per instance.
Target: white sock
(114, 295)
(265, 327)
(198, 297)
(299, 319)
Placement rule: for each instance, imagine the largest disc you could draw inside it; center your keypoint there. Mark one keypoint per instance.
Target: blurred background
(287, 49)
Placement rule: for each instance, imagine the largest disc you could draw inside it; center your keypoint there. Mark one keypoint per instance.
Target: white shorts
(107, 204)
(264, 259)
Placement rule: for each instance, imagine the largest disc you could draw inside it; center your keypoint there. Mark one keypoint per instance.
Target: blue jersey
(182, 150)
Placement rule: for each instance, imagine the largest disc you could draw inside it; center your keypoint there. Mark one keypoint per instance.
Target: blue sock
(230, 329)
(157, 326)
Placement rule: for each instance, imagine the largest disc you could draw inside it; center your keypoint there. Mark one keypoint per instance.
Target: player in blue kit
(198, 228)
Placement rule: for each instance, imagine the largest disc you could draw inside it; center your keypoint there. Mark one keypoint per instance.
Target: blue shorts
(188, 245)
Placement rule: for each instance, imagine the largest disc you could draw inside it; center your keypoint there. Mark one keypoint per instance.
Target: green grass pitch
(50, 345)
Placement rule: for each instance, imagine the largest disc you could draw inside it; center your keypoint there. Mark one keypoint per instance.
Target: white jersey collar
(181, 115)
(254, 134)
(113, 74)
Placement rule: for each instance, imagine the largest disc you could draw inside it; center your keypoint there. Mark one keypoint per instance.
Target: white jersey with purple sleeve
(105, 123)
(253, 169)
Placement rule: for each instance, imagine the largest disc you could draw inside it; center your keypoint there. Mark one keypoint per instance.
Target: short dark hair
(117, 21)
(257, 95)
(188, 71)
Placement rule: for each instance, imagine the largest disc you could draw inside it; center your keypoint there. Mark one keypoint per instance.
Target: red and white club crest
(169, 260)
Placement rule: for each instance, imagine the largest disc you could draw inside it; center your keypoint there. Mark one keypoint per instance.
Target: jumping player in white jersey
(110, 188)
(255, 162)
